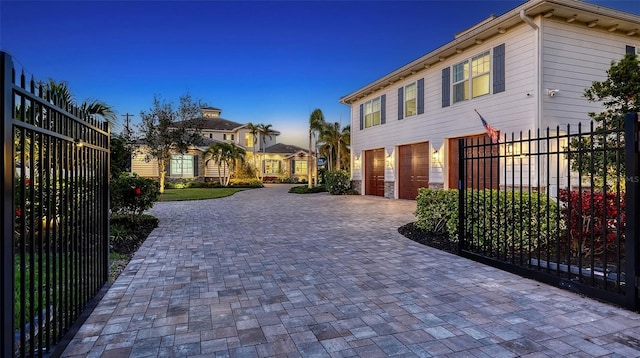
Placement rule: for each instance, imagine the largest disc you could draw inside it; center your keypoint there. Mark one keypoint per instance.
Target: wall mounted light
(389, 161)
(435, 156)
(509, 149)
(78, 142)
(357, 164)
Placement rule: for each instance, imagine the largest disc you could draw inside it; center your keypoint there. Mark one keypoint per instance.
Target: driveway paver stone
(267, 273)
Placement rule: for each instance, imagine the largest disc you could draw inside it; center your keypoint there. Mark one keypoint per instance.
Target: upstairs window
(372, 113)
(248, 140)
(471, 77)
(480, 71)
(461, 81)
(410, 102)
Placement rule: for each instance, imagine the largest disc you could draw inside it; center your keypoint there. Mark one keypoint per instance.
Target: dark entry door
(413, 169)
(374, 171)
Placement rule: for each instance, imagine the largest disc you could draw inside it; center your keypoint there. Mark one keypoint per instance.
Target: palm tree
(215, 153)
(61, 95)
(344, 154)
(335, 143)
(226, 155)
(99, 108)
(316, 122)
(254, 129)
(265, 131)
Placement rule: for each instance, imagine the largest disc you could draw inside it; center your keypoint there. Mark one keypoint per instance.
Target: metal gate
(55, 216)
(563, 211)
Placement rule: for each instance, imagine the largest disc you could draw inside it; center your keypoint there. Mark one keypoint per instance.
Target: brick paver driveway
(266, 273)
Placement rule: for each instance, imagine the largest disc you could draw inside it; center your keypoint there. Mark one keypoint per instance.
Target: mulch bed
(424, 237)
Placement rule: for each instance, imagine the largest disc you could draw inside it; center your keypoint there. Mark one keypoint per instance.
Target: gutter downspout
(539, 79)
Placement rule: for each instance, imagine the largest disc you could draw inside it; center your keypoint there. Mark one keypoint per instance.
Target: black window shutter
(361, 116)
(293, 167)
(421, 96)
(400, 103)
(446, 87)
(631, 50)
(498, 69)
(383, 109)
(195, 166)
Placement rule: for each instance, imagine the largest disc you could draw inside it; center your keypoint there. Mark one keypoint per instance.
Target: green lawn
(197, 193)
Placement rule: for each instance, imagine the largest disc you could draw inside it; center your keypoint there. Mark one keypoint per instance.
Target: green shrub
(131, 195)
(437, 212)
(337, 182)
(197, 184)
(511, 221)
(169, 185)
(306, 190)
(246, 183)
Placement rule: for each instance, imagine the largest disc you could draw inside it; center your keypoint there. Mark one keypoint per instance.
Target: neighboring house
(191, 166)
(524, 70)
(284, 161)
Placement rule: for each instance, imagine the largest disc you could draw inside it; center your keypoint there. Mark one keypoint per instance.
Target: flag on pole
(493, 133)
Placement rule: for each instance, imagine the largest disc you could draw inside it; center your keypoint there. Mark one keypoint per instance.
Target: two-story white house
(273, 160)
(523, 70)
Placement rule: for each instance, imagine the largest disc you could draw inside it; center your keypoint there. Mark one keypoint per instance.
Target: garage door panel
(413, 169)
(374, 172)
(481, 174)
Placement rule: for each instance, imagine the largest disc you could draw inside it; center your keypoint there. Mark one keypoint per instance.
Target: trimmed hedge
(495, 220)
(437, 212)
(306, 190)
(511, 221)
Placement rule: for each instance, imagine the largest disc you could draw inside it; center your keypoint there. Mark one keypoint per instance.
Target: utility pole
(126, 131)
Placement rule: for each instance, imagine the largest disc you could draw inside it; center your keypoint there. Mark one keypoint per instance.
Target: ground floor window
(182, 166)
(300, 166)
(271, 166)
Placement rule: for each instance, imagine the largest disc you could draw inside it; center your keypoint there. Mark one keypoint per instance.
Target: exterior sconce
(389, 161)
(357, 164)
(78, 142)
(435, 156)
(509, 149)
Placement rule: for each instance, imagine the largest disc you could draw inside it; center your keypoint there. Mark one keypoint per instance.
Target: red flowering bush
(132, 195)
(595, 223)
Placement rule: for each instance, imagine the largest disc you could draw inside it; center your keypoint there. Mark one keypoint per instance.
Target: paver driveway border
(267, 273)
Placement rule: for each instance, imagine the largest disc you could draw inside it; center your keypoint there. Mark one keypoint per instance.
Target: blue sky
(260, 61)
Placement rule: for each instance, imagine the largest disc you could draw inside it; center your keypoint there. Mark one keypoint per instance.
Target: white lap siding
(573, 59)
(511, 110)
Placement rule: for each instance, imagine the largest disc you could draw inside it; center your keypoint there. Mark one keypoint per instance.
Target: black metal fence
(560, 207)
(55, 215)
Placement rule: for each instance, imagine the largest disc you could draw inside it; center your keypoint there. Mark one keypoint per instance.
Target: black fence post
(632, 238)
(6, 246)
(461, 191)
